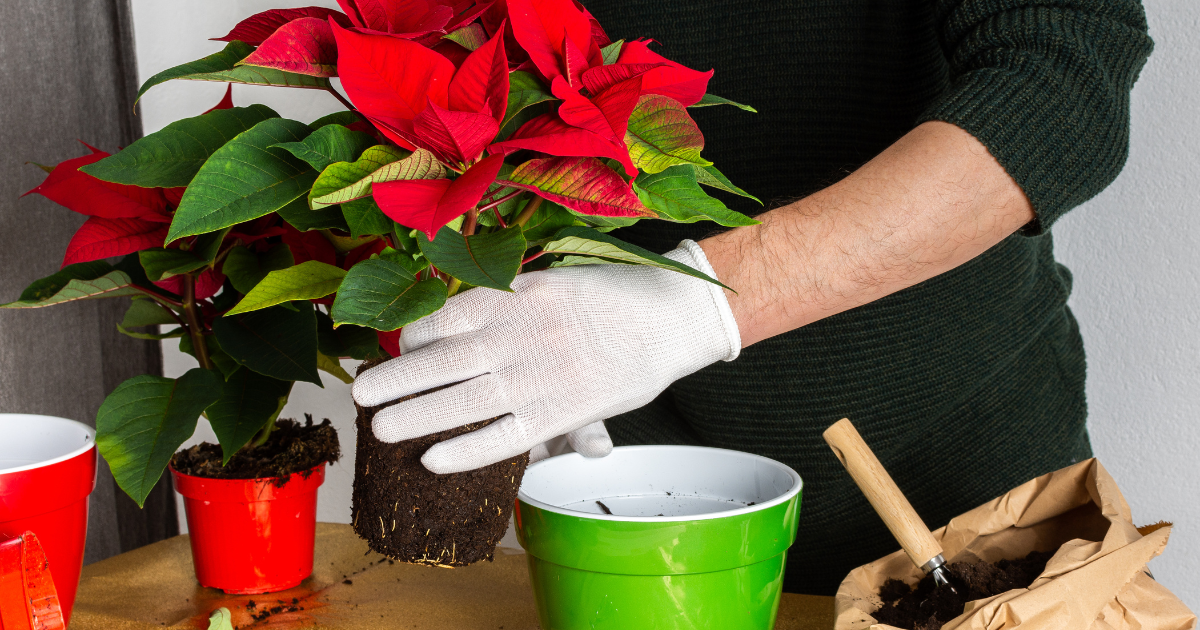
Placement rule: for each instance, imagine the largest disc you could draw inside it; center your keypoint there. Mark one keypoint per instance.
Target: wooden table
(351, 587)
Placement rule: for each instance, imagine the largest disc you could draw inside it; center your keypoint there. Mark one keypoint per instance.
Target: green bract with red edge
(274, 248)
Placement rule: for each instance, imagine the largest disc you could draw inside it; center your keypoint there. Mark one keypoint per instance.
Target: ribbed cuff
(732, 334)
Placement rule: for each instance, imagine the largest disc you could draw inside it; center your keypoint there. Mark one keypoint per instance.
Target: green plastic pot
(697, 538)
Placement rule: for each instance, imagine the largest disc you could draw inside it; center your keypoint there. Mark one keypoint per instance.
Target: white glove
(569, 347)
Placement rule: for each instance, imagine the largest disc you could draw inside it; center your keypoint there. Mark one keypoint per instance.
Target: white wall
(1134, 252)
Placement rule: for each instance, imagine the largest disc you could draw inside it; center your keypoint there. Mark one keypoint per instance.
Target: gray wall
(69, 74)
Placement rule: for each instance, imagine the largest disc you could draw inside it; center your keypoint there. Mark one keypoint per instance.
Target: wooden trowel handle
(895, 510)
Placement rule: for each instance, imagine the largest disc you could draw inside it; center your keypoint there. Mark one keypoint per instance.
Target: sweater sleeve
(1044, 84)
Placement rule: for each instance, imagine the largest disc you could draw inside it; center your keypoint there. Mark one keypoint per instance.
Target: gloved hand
(569, 347)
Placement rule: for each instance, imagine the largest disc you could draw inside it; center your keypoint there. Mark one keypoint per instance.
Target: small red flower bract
(429, 204)
(557, 36)
(674, 80)
(404, 19)
(308, 246)
(582, 127)
(85, 194)
(255, 29)
(207, 284)
(102, 238)
(303, 46)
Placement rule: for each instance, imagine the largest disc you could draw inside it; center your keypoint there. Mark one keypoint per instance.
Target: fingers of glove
(478, 399)
(448, 361)
(538, 453)
(591, 440)
(496, 442)
(450, 320)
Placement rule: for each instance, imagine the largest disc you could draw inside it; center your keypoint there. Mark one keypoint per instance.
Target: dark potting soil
(928, 606)
(405, 512)
(291, 448)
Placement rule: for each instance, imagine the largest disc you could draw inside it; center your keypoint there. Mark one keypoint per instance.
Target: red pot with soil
(405, 512)
(47, 471)
(253, 521)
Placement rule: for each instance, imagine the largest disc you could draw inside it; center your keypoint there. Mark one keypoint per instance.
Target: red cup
(251, 536)
(28, 599)
(47, 471)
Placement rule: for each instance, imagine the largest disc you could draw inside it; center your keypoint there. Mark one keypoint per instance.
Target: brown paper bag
(1096, 580)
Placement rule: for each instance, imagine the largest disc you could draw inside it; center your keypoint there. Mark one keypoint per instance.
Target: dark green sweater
(967, 384)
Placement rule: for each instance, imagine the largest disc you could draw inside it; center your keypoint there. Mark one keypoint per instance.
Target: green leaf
(223, 362)
(248, 402)
(81, 281)
(414, 263)
(244, 180)
(676, 196)
(334, 367)
(363, 218)
(346, 340)
(276, 342)
(300, 216)
(171, 334)
(343, 181)
(483, 260)
(611, 52)
(245, 269)
(344, 118)
(711, 99)
(161, 263)
(171, 156)
(711, 177)
(524, 90)
(471, 36)
(329, 144)
(146, 312)
(546, 221)
(585, 246)
(145, 419)
(222, 66)
(661, 135)
(220, 619)
(307, 281)
(383, 295)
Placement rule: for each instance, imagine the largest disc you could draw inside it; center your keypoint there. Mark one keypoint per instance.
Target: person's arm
(932, 201)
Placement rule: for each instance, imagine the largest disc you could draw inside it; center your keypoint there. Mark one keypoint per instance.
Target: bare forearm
(932, 201)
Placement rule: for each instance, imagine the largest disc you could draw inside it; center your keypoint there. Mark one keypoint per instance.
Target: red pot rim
(248, 490)
(88, 432)
(30, 492)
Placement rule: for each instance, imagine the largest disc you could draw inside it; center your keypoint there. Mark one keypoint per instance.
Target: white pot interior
(659, 483)
(31, 441)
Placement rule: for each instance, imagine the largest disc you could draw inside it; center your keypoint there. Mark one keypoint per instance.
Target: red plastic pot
(47, 471)
(28, 599)
(250, 535)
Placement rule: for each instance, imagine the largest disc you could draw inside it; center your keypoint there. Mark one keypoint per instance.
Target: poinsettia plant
(482, 138)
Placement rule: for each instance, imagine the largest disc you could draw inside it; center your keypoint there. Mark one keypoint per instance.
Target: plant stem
(499, 219)
(527, 213)
(468, 227)
(455, 283)
(493, 204)
(532, 258)
(350, 106)
(193, 318)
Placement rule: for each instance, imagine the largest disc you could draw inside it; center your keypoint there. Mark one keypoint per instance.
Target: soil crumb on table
(929, 606)
(291, 448)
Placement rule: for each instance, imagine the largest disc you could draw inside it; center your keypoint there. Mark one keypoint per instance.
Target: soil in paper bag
(928, 606)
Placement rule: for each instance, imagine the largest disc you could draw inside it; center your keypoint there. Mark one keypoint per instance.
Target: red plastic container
(47, 471)
(250, 535)
(28, 599)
